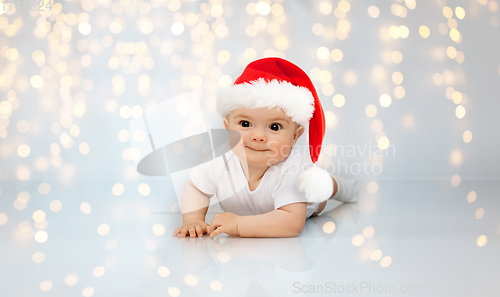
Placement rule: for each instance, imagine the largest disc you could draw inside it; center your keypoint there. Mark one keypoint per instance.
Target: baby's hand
(224, 222)
(193, 226)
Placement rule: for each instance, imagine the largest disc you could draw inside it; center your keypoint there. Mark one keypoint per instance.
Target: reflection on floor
(411, 238)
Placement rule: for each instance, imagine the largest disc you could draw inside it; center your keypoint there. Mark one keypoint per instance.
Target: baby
(265, 191)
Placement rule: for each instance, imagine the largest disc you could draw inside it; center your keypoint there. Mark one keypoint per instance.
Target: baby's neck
(253, 173)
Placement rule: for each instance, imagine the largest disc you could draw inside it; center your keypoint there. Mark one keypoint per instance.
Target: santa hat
(275, 82)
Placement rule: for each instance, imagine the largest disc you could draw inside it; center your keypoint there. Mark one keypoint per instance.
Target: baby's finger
(199, 230)
(214, 224)
(178, 231)
(184, 231)
(218, 231)
(208, 229)
(213, 228)
(192, 232)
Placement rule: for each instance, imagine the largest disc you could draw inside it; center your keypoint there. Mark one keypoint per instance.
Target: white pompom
(316, 184)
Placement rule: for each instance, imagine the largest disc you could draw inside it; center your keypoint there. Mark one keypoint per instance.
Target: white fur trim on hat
(297, 102)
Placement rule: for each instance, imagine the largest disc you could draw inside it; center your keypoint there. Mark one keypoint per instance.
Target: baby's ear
(226, 123)
(298, 132)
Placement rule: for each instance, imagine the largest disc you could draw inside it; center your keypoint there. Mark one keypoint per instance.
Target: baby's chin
(258, 158)
(266, 159)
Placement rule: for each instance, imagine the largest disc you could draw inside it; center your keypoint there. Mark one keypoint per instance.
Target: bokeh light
(372, 187)
(368, 232)
(71, 280)
(456, 157)
(103, 229)
(144, 189)
(23, 150)
(424, 31)
(223, 257)
(338, 100)
(455, 180)
(329, 227)
(377, 126)
(39, 216)
(371, 111)
(460, 12)
(385, 261)
(3, 219)
(385, 100)
(383, 143)
(190, 280)
(41, 236)
(358, 240)
(397, 78)
(479, 213)
(376, 255)
(88, 292)
(323, 53)
(163, 271)
(98, 271)
(216, 286)
(460, 111)
(45, 286)
(118, 189)
(471, 197)
(481, 240)
(44, 188)
(158, 229)
(373, 11)
(55, 205)
(325, 7)
(85, 208)
(337, 55)
(38, 257)
(173, 291)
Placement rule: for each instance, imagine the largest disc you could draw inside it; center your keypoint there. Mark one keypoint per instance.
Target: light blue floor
(428, 229)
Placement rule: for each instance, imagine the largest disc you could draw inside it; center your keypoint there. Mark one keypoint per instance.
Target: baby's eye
(275, 127)
(245, 123)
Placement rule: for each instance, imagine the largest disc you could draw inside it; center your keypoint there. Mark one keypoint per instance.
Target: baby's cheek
(277, 154)
(283, 150)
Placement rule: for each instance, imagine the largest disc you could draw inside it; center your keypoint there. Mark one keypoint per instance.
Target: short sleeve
(286, 191)
(204, 178)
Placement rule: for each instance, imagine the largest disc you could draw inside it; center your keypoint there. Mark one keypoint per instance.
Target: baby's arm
(194, 207)
(286, 221)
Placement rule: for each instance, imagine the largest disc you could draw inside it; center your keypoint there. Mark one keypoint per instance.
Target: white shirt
(276, 188)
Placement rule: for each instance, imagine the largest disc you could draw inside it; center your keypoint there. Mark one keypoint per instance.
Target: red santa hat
(275, 82)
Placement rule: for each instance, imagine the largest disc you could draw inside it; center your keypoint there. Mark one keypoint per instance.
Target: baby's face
(268, 134)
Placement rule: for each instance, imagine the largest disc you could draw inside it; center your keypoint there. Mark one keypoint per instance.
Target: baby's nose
(259, 136)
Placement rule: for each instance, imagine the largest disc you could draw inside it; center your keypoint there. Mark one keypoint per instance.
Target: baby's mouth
(256, 149)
